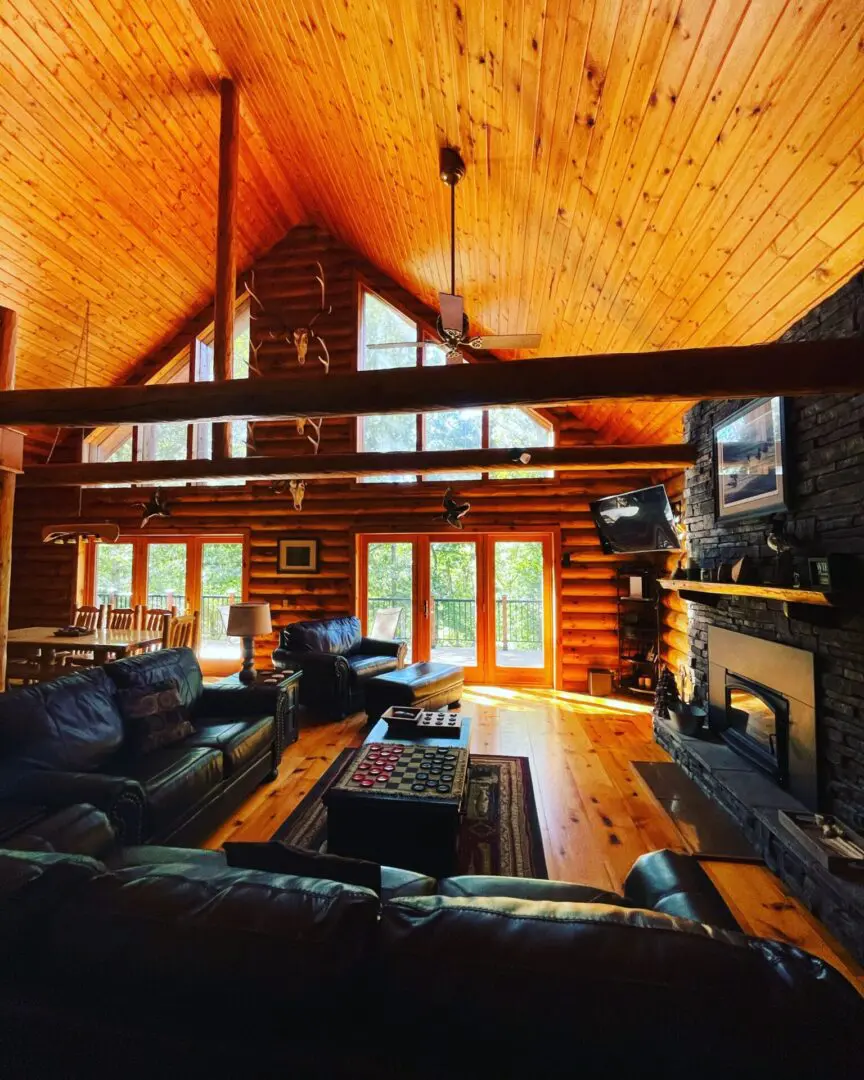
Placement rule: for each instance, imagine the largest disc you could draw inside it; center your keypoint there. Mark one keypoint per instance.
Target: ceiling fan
(452, 323)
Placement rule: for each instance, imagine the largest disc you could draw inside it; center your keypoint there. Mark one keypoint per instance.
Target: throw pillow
(277, 858)
(155, 716)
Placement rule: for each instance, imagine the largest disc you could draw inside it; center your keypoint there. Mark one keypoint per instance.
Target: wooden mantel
(788, 368)
(333, 466)
(765, 592)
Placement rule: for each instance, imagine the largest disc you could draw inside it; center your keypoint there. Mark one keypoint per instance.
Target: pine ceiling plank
(640, 236)
(800, 114)
(662, 113)
(572, 28)
(761, 45)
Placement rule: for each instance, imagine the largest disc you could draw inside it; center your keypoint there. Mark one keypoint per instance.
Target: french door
(201, 573)
(480, 600)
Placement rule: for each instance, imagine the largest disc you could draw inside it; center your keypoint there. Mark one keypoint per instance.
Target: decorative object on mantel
(834, 845)
(297, 556)
(750, 460)
(153, 508)
(783, 546)
(724, 572)
(248, 621)
(453, 511)
(694, 571)
(744, 572)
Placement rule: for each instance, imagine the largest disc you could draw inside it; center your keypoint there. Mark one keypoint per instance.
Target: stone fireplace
(785, 687)
(762, 704)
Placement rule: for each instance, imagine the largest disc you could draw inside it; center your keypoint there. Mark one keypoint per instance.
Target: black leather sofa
(337, 663)
(63, 742)
(163, 961)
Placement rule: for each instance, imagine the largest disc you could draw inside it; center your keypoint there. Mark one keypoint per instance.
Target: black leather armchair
(337, 662)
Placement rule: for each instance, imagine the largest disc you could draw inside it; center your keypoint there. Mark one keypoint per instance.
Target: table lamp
(248, 621)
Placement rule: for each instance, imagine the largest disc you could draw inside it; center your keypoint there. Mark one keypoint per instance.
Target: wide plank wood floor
(596, 814)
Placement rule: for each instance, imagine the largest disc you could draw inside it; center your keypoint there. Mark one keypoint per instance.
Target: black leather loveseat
(166, 962)
(337, 663)
(66, 741)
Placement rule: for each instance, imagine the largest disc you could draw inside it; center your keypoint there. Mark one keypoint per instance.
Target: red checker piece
(383, 778)
(367, 783)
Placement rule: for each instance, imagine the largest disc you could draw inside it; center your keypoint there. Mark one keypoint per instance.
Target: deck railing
(518, 623)
(214, 608)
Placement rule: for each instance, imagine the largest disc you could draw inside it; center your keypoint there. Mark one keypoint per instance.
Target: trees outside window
(458, 429)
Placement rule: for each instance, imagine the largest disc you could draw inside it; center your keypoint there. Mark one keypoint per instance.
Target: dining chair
(153, 618)
(124, 618)
(90, 616)
(179, 631)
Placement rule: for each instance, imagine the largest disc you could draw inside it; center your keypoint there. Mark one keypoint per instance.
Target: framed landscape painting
(750, 461)
(297, 556)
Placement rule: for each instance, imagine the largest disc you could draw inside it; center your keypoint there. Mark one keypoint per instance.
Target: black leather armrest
(376, 647)
(314, 665)
(76, 830)
(119, 797)
(676, 884)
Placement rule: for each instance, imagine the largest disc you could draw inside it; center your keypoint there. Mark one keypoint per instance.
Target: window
(179, 441)
(459, 429)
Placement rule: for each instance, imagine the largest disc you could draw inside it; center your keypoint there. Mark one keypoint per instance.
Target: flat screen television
(636, 521)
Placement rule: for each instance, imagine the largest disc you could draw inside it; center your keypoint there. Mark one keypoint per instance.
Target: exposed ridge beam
(788, 368)
(332, 466)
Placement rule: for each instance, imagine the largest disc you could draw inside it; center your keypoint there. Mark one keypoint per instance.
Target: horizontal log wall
(337, 511)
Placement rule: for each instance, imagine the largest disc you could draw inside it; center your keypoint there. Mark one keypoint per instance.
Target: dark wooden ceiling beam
(332, 466)
(788, 368)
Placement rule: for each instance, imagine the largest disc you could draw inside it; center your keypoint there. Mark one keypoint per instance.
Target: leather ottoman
(426, 685)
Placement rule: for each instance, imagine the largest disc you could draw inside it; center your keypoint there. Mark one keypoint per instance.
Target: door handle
(425, 609)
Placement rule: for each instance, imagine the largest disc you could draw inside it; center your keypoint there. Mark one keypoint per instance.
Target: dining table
(103, 644)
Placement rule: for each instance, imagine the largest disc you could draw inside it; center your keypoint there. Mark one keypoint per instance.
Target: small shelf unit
(638, 631)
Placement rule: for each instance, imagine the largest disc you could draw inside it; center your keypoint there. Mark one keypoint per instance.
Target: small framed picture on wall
(297, 556)
(750, 461)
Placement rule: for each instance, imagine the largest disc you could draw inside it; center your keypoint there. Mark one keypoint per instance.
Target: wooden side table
(279, 697)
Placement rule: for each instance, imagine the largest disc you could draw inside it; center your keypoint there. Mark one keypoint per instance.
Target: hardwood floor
(596, 814)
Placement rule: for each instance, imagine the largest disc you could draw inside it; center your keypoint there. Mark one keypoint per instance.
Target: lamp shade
(249, 620)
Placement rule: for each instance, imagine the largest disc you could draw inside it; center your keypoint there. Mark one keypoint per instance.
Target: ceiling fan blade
(452, 311)
(405, 345)
(506, 341)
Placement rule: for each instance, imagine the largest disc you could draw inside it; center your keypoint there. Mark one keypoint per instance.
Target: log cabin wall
(283, 282)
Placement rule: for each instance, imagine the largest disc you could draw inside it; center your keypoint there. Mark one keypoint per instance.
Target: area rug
(500, 832)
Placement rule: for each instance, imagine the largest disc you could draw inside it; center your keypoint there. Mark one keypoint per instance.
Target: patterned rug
(499, 834)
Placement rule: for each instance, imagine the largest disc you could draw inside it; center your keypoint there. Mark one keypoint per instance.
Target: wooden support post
(8, 329)
(226, 253)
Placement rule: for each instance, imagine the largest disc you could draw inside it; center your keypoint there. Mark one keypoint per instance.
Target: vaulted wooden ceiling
(643, 174)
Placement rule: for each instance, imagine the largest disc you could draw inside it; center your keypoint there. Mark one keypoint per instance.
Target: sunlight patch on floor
(567, 701)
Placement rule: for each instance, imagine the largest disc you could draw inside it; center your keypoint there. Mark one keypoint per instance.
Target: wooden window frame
(424, 332)
(194, 542)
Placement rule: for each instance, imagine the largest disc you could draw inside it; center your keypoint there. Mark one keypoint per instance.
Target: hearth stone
(753, 801)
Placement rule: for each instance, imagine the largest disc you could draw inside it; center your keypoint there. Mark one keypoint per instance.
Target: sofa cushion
(150, 669)
(72, 723)
(239, 742)
(335, 636)
(201, 929)
(278, 858)
(174, 781)
(367, 667)
(528, 889)
(154, 716)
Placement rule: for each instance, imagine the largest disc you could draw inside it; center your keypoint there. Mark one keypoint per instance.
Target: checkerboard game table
(399, 804)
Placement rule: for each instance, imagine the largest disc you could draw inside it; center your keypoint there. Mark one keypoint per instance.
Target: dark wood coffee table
(410, 817)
